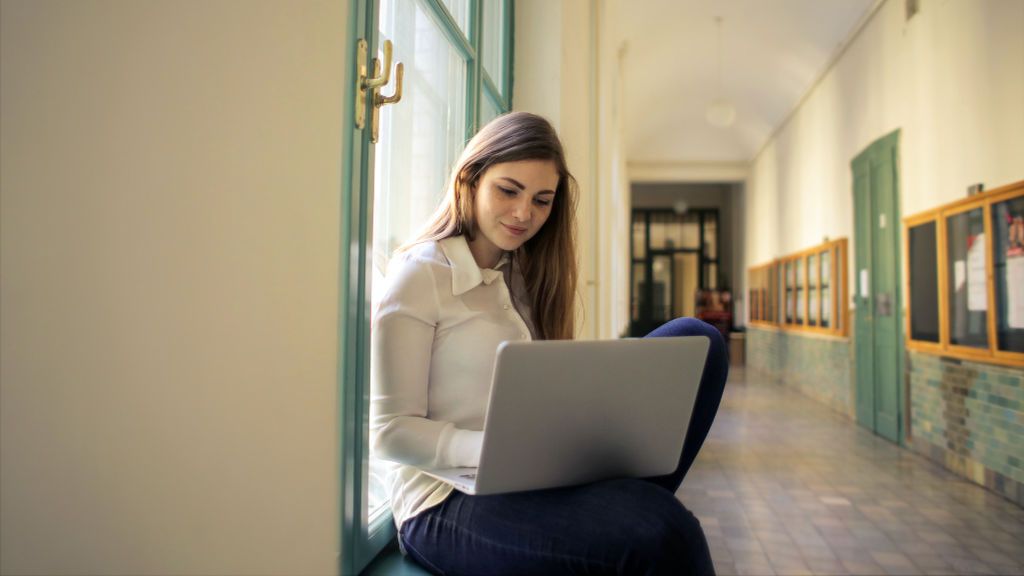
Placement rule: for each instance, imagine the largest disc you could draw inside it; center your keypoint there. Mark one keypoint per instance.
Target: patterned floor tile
(784, 485)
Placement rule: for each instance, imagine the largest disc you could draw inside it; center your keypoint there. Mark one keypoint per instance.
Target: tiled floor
(784, 485)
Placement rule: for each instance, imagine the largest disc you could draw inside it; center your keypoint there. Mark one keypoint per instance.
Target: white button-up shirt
(435, 337)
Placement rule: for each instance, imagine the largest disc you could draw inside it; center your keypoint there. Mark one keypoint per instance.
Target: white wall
(170, 240)
(951, 80)
(614, 219)
(566, 69)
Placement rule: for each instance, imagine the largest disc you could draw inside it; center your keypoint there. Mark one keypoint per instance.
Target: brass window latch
(367, 85)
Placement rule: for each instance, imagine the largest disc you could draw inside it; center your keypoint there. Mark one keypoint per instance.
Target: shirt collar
(466, 274)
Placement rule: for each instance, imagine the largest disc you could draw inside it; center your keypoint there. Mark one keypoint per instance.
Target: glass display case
(812, 290)
(1008, 273)
(967, 305)
(965, 277)
(825, 281)
(798, 279)
(801, 291)
(923, 277)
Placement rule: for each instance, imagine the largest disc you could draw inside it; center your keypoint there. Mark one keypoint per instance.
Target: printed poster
(1015, 271)
(1015, 297)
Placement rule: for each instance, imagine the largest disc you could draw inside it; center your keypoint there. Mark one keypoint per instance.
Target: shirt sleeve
(402, 342)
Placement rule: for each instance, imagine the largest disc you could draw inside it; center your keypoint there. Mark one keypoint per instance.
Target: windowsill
(390, 562)
(960, 354)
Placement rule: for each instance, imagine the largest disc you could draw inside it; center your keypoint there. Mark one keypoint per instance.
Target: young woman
(497, 262)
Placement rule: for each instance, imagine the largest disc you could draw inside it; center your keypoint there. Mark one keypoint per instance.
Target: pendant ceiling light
(720, 112)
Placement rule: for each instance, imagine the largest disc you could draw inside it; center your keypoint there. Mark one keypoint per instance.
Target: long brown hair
(548, 260)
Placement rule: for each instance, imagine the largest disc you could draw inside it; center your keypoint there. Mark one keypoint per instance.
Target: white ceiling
(773, 51)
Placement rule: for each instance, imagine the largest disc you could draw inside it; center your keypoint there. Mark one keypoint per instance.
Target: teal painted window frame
(362, 540)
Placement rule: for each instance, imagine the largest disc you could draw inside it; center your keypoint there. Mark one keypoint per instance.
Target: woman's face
(512, 202)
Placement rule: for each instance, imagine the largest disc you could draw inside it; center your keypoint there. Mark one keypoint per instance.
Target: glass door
(674, 258)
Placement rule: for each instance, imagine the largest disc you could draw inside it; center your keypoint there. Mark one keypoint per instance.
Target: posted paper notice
(1015, 296)
(959, 275)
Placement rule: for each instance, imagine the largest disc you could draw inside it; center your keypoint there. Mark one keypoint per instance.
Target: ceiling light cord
(720, 112)
(718, 22)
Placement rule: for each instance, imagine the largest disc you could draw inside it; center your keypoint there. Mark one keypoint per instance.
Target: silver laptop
(563, 413)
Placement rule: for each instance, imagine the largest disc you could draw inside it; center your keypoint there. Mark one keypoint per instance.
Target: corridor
(784, 485)
(199, 202)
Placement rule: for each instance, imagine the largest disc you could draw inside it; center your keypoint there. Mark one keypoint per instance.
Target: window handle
(369, 84)
(380, 79)
(381, 100)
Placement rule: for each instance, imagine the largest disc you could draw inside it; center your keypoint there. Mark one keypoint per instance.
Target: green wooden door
(877, 329)
(885, 265)
(864, 334)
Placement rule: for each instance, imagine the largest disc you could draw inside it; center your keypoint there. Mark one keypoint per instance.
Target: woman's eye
(543, 202)
(507, 191)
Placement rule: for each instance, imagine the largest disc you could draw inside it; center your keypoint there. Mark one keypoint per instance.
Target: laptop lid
(565, 412)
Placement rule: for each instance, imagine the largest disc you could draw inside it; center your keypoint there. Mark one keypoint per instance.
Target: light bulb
(721, 113)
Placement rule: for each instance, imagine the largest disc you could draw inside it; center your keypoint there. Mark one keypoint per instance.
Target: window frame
(939, 216)
(777, 282)
(361, 538)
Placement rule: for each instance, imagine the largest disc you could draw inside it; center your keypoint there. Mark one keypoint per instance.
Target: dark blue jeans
(627, 526)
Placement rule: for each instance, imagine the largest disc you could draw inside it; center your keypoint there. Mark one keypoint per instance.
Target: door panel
(687, 273)
(661, 289)
(863, 331)
(877, 327)
(886, 317)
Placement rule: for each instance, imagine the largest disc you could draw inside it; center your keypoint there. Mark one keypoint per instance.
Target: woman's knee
(659, 535)
(718, 352)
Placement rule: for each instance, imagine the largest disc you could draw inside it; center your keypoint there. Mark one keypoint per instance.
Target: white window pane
(812, 292)
(459, 9)
(691, 232)
(711, 237)
(488, 111)
(799, 282)
(493, 40)
(826, 301)
(420, 138)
